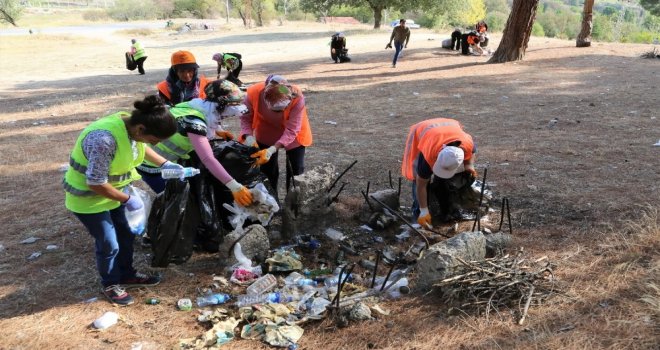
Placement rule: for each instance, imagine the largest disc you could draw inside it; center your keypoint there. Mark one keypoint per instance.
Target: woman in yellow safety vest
(102, 165)
(199, 120)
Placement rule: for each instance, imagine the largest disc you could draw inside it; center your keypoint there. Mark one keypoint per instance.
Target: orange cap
(183, 57)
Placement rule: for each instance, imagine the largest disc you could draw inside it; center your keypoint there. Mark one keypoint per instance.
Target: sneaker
(117, 295)
(139, 280)
(394, 66)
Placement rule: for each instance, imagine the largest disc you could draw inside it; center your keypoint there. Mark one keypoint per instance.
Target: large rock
(497, 242)
(306, 206)
(439, 261)
(255, 245)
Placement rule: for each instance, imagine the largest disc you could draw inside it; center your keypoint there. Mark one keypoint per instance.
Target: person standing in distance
(401, 36)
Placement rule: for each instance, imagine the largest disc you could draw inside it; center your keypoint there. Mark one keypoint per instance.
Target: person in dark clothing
(456, 39)
(338, 50)
(232, 63)
(468, 40)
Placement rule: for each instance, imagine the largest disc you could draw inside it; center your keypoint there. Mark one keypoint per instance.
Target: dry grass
(575, 188)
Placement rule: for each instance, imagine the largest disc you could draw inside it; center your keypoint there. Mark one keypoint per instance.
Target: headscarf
(278, 93)
(180, 91)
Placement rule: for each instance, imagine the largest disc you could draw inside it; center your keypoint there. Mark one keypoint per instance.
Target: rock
(306, 204)
(497, 242)
(359, 312)
(388, 196)
(255, 245)
(439, 261)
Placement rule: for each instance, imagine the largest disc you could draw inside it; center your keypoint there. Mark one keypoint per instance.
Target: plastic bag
(137, 219)
(262, 209)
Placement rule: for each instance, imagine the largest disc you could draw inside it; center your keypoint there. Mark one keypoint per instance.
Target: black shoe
(117, 295)
(139, 280)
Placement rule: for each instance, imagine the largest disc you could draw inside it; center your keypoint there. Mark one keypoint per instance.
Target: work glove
(388, 46)
(250, 141)
(424, 218)
(263, 156)
(133, 203)
(224, 134)
(174, 166)
(240, 193)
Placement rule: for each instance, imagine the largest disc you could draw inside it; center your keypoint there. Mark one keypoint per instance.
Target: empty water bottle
(213, 299)
(262, 285)
(178, 173)
(247, 299)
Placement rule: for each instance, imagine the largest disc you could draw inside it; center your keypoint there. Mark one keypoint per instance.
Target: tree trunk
(378, 16)
(584, 39)
(517, 32)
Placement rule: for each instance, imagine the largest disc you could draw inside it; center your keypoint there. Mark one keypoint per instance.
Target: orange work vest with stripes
(164, 88)
(304, 136)
(429, 137)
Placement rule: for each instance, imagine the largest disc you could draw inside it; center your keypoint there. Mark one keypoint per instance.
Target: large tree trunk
(517, 32)
(378, 16)
(584, 39)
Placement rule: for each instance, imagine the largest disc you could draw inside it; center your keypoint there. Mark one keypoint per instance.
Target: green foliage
(497, 6)
(197, 8)
(362, 13)
(434, 21)
(461, 13)
(537, 29)
(653, 6)
(11, 11)
(560, 24)
(602, 29)
(645, 37)
(264, 11)
(496, 21)
(127, 10)
(652, 23)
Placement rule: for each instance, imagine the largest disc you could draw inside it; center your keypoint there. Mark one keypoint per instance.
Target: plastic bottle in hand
(213, 299)
(262, 285)
(178, 173)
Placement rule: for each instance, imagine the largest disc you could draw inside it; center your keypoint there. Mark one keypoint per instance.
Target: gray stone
(388, 196)
(439, 261)
(255, 245)
(497, 242)
(306, 208)
(359, 312)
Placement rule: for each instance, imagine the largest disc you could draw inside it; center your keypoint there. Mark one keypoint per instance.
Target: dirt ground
(584, 190)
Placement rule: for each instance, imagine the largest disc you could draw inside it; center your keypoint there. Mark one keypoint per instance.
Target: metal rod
(368, 185)
(508, 213)
(341, 274)
(389, 175)
(373, 278)
(334, 199)
(402, 219)
(398, 193)
(387, 277)
(477, 221)
(340, 175)
(366, 199)
(483, 186)
(502, 214)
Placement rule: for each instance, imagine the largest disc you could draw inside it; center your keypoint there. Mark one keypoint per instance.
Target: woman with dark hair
(183, 82)
(102, 165)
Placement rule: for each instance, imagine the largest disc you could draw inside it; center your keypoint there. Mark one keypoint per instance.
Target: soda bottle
(178, 173)
(213, 299)
(247, 299)
(152, 301)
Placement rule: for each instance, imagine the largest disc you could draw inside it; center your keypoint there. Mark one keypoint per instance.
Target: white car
(409, 23)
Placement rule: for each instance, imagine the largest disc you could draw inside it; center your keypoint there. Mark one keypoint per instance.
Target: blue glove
(133, 203)
(172, 166)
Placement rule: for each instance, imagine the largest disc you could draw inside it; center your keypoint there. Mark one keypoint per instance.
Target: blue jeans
(398, 47)
(114, 244)
(155, 181)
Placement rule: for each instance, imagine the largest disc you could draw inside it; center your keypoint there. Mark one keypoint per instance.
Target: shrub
(537, 29)
(496, 21)
(95, 15)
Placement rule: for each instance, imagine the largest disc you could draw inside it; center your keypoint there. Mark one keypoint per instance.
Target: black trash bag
(454, 198)
(130, 62)
(169, 225)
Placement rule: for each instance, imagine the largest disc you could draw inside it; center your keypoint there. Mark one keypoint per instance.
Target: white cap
(450, 160)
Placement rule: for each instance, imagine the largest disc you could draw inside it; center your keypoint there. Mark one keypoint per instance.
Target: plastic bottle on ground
(178, 173)
(213, 299)
(107, 320)
(262, 285)
(247, 299)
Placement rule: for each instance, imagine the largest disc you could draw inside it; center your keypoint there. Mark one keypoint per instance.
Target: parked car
(409, 23)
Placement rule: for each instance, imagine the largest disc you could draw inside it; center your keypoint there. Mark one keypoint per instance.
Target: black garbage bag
(130, 62)
(169, 225)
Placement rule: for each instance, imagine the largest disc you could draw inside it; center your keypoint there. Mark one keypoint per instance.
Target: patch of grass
(141, 32)
(54, 18)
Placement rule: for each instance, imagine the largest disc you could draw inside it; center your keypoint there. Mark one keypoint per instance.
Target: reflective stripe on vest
(180, 152)
(75, 191)
(111, 178)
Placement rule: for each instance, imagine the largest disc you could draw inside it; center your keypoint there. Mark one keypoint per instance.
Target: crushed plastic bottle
(137, 219)
(247, 299)
(108, 319)
(262, 285)
(178, 173)
(213, 299)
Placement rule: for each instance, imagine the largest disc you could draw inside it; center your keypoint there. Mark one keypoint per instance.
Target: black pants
(295, 160)
(456, 40)
(233, 74)
(140, 62)
(465, 47)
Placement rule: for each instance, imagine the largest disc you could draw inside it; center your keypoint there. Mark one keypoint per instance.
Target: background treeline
(636, 21)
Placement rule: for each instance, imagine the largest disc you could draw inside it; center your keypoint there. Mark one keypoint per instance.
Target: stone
(497, 242)
(306, 205)
(439, 261)
(388, 196)
(359, 312)
(255, 245)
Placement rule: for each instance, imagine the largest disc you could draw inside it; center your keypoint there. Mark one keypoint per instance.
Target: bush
(537, 29)
(126, 10)
(95, 15)
(640, 37)
(602, 29)
(362, 13)
(496, 21)
(432, 21)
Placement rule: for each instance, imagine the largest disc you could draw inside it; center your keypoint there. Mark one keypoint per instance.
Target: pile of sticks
(501, 282)
(655, 53)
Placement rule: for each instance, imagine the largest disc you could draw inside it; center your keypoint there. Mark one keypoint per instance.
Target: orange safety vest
(304, 136)
(164, 88)
(429, 137)
(473, 39)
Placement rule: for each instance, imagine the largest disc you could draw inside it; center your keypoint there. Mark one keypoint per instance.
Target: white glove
(250, 141)
(173, 166)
